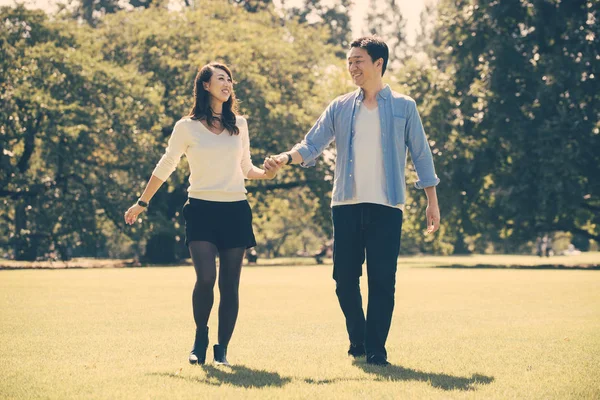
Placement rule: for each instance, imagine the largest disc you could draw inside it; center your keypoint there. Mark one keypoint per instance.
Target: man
(373, 128)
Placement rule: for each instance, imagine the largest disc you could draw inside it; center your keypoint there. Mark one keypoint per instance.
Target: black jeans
(375, 229)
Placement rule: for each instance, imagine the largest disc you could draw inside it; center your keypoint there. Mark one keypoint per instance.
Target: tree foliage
(525, 73)
(91, 109)
(385, 19)
(65, 112)
(510, 100)
(507, 91)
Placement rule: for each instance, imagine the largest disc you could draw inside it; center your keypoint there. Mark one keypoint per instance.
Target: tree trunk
(25, 247)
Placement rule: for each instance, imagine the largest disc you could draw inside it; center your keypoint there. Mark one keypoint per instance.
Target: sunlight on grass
(496, 260)
(456, 333)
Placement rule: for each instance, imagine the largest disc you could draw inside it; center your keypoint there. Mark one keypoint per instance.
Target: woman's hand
(272, 165)
(133, 212)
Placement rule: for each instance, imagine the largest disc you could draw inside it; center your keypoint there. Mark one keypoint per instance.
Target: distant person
(373, 128)
(218, 219)
(549, 249)
(571, 250)
(542, 245)
(251, 256)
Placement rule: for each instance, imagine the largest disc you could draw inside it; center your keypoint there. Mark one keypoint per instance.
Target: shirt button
(350, 175)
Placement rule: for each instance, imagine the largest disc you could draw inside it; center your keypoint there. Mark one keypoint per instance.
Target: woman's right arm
(178, 145)
(151, 188)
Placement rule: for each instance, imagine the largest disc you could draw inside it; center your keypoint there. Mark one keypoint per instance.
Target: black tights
(230, 266)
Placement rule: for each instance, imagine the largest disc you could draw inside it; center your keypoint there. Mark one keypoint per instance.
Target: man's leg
(348, 257)
(382, 239)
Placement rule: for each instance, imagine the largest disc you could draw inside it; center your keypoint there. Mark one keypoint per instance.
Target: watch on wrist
(142, 203)
(289, 160)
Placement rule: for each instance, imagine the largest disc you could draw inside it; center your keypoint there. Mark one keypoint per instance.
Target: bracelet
(289, 160)
(142, 203)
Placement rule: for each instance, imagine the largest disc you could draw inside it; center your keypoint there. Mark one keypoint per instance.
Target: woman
(218, 219)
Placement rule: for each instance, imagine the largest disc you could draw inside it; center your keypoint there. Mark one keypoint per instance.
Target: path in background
(583, 260)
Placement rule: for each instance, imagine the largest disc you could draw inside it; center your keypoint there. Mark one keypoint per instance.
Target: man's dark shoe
(221, 355)
(198, 353)
(357, 350)
(377, 359)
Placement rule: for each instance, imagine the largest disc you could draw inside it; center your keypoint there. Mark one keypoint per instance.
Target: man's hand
(433, 219)
(274, 162)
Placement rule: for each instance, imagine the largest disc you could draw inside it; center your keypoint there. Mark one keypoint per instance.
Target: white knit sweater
(218, 163)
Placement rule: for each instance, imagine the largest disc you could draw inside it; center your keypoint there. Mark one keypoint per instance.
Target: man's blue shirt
(401, 131)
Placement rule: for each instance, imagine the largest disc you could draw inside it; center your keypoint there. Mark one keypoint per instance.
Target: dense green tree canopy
(525, 77)
(507, 91)
(89, 111)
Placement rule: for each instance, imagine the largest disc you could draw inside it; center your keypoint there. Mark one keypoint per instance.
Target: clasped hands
(272, 164)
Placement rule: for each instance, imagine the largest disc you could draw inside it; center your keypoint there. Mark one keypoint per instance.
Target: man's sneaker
(377, 359)
(221, 355)
(198, 353)
(356, 350)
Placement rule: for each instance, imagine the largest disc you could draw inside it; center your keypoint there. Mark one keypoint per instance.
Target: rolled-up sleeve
(420, 153)
(178, 144)
(318, 138)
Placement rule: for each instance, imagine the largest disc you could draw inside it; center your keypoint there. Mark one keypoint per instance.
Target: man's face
(362, 69)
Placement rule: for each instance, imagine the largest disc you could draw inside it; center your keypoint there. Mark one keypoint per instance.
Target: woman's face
(219, 86)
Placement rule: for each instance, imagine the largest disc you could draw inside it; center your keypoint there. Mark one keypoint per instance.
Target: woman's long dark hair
(201, 109)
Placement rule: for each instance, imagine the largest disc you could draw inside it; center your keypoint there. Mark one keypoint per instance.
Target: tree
(97, 105)
(335, 17)
(64, 114)
(528, 98)
(92, 11)
(385, 20)
(253, 5)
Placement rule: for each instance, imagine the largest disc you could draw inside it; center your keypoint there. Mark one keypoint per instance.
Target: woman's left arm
(258, 173)
(250, 170)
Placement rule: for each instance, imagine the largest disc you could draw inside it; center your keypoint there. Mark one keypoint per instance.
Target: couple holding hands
(373, 127)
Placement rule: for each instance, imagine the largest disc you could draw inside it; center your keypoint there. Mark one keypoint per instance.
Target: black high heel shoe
(198, 353)
(221, 355)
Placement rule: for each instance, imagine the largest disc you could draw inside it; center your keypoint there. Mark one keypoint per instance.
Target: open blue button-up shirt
(401, 130)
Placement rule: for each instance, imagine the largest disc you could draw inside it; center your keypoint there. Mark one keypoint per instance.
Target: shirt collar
(383, 93)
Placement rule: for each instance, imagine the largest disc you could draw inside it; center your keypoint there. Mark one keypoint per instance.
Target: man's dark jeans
(375, 229)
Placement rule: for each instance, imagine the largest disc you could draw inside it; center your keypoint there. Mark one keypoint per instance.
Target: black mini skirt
(225, 224)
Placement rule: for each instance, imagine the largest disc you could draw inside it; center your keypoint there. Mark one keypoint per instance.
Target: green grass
(457, 333)
(586, 260)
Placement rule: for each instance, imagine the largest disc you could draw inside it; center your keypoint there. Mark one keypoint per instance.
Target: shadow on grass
(591, 267)
(236, 375)
(440, 381)
(245, 377)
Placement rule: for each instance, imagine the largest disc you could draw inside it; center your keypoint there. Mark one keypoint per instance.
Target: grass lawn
(584, 260)
(457, 333)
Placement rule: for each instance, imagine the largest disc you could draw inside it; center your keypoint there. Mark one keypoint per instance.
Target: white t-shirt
(369, 173)
(218, 163)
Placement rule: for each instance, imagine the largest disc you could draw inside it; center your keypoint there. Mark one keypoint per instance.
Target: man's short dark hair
(375, 47)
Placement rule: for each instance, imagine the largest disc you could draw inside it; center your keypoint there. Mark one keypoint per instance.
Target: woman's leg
(230, 267)
(204, 256)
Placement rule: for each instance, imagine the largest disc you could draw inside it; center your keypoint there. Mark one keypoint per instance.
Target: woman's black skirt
(225, 224)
